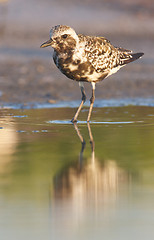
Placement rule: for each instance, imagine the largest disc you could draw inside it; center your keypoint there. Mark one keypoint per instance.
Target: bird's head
(62, 39)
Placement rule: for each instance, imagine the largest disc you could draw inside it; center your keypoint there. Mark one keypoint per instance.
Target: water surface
(82, 181)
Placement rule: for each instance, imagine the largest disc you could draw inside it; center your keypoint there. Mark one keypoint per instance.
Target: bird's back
(103, 56)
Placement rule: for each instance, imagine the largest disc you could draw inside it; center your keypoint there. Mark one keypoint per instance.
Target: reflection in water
(86, 187)
(8, 143)
(92, 197)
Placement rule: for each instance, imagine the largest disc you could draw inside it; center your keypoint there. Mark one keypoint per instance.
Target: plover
(86, 58)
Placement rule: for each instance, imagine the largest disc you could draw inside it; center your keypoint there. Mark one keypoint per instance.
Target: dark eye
(64, 36)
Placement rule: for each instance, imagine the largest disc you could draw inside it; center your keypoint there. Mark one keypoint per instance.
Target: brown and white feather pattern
(86, 58)
(103, 56)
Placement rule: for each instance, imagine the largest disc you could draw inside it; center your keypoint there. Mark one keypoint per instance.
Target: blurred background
(29, 70)
(53, 183)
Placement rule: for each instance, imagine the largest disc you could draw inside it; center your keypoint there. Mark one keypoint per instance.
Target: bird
(86, 58)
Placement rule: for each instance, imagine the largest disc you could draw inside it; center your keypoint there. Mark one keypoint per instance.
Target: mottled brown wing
(102, 55)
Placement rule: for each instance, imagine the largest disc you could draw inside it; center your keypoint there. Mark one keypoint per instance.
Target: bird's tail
(127, 58)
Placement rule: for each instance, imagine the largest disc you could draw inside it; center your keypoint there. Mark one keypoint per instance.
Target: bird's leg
(74, 119)
(92, 99)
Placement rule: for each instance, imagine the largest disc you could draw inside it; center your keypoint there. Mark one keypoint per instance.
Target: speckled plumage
(86, 58)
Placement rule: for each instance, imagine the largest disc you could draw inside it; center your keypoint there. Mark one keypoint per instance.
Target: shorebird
(86, 59)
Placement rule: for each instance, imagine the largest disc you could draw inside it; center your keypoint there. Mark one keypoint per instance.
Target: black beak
(46, 44)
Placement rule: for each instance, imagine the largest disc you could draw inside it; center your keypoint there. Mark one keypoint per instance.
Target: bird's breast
(76, 68)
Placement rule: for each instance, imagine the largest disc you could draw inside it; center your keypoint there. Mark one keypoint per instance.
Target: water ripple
(85, 122)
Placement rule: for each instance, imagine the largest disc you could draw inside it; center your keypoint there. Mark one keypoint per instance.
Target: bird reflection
(85, 191)
(84, 143)
(89, 180)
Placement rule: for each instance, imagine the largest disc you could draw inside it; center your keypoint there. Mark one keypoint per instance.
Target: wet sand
(28, 74)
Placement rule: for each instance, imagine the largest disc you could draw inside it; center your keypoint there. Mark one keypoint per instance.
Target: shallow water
(65, 181)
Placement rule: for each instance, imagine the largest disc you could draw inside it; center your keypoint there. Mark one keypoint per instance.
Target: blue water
(149, 102)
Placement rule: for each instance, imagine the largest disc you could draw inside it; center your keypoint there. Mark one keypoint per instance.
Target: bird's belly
(78, 70)
(82, 74)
